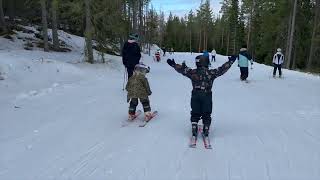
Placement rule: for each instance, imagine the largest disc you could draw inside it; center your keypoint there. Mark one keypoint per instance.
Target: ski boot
(205, 131)
(147, 116)
(195, 129)
(132, 116)
(193, 140)
(205, 136)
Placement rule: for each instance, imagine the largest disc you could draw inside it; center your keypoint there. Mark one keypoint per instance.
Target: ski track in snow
(267, 129)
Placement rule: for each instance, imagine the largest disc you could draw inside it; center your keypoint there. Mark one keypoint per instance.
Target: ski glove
(171, 62)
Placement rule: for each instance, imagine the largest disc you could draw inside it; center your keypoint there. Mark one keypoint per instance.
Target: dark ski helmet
(134, 36)
(202, 61)
(142, 68)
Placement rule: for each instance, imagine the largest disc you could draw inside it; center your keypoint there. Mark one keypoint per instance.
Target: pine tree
(3, 26)
(44, 24)
(88, 32)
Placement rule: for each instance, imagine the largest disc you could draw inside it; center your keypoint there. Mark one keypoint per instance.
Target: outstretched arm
(180, 68)
(224, 68)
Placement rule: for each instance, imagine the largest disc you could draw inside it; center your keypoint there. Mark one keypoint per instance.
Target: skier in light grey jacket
(277, 61)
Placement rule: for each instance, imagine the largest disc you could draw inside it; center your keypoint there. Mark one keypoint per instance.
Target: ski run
(62, 120)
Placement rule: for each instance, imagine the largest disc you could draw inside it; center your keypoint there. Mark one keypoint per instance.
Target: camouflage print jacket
(202, 78)
(138, 86)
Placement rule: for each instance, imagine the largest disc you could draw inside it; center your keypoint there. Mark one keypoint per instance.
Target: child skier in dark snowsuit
(202, 80)
(138, 89)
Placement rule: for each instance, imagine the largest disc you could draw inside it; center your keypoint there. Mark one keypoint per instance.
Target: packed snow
(62, 119)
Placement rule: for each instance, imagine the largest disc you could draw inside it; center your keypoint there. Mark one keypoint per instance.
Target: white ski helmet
(142, 68)
(279, 50)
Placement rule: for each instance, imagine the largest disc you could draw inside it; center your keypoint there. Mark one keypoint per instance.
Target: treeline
(107, 22)
(262, 25)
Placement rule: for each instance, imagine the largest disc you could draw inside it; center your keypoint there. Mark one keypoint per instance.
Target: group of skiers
(201, 78)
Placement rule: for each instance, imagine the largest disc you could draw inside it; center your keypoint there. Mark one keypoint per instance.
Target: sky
(182, 7)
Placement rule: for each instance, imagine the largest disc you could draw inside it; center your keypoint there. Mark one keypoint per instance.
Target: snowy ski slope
(66, 124)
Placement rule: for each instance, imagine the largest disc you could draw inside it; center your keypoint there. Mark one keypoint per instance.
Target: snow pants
(277, 66)
(201, 107)
(130, 71)
(244, 73)
(134, 103)
(213, 58)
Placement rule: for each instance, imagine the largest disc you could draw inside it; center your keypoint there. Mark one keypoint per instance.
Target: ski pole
(124, 78)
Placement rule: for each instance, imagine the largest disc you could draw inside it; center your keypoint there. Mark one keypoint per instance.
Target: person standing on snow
(213, 55)
(131, 54)
(243, 63)
(138, 89)
(157, 55)
(201, 99)
(164, 51)
(278, 60)
(207, 56)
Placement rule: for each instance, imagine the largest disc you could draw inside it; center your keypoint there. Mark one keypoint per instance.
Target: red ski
(129, 120)
(154, 114)
(193, 142)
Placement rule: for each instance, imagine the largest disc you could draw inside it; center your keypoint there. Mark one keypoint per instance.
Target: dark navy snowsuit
(202, 80)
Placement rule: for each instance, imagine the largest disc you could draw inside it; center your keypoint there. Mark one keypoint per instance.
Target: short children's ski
(131, 119)
(206, 142)
(193, 142)
(206, 139)
(146, 121)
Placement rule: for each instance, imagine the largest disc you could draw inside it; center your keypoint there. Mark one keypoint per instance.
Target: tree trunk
(55, 37)
(228, 42)
(222, 38)
(140, 18)
(3, 25)
(199, 49)
(292, 33)
(88, 32)
(288, 38)
(235, 40)
(190, 41)
(11, 7)
(134, 16)
(44, 25)
(316, 25)
(250, 24)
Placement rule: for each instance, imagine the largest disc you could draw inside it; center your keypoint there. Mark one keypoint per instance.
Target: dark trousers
(130, 71)
(201, 107)
(213, 58)
(275, 67)
(134, 103)
(244, 73)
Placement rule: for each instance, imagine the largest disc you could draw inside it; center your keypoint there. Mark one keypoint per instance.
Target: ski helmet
(134, 36)
(142, 68)
(205, 53)
(202, 61)
(279, 50)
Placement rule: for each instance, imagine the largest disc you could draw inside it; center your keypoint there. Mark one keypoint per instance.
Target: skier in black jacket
(131, 53)
(202, 80)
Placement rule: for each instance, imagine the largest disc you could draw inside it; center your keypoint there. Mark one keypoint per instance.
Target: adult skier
(243, 63)
(213, 55)
(201, 99)
(131, 54)
(278, 60)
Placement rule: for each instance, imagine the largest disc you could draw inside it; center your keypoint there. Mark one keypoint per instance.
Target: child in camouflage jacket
(138, 89)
